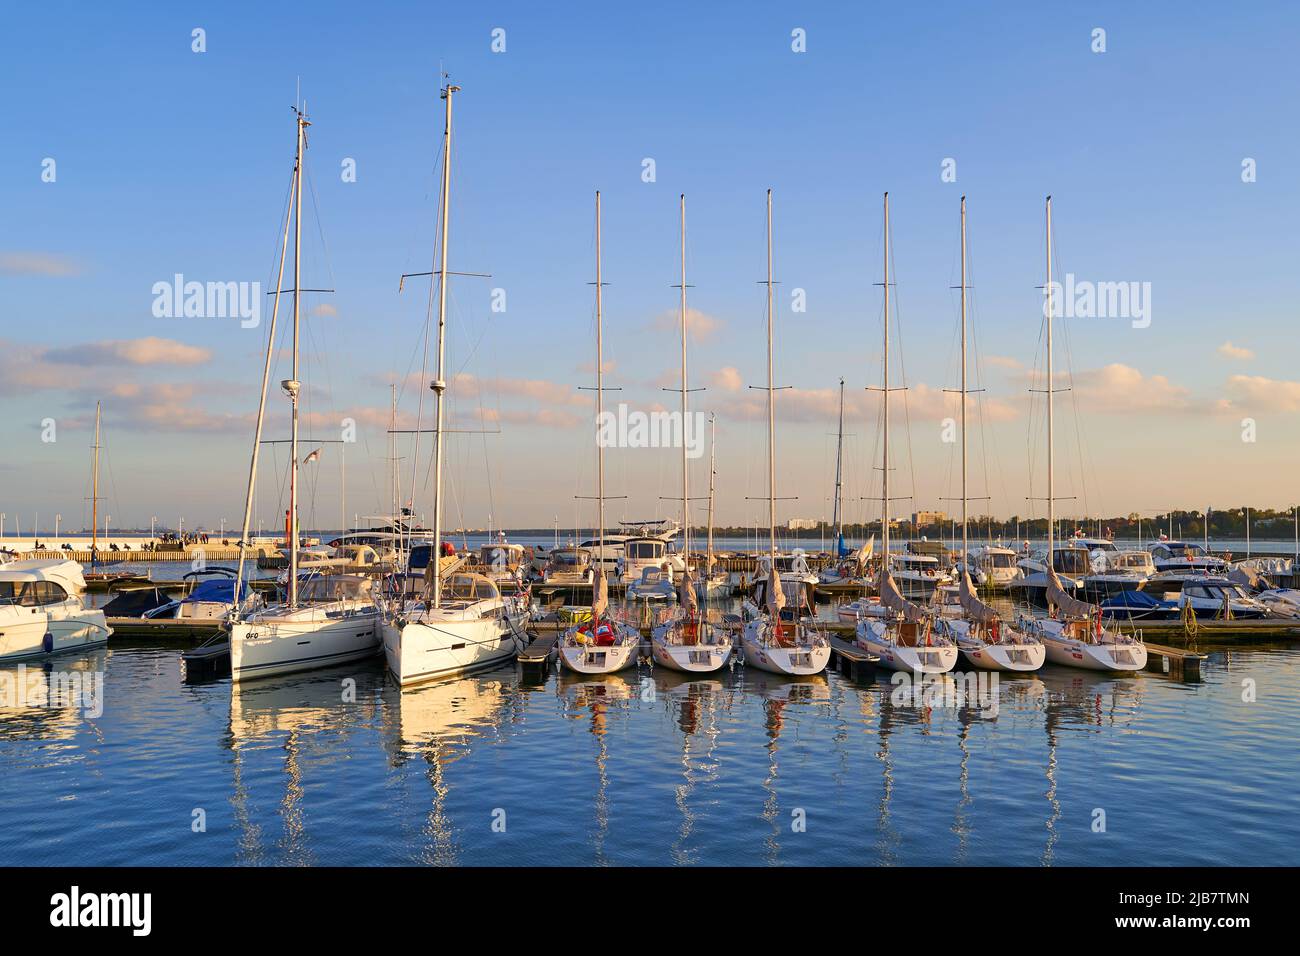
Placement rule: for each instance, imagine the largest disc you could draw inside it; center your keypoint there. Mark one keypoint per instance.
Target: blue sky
(170, 161)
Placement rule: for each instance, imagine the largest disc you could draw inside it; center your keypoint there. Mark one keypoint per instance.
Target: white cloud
(1228, 350)
(149, 350)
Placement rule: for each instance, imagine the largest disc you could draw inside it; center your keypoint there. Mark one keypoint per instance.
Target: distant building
(922, 518)
(802, 524)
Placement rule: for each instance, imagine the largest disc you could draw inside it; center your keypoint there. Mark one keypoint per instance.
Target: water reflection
(54, 698)
(596, 697)
(696, 704)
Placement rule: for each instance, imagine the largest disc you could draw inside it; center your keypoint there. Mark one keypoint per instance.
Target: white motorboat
(781, 637)
(42, 610)
(993, 567)
(1114, 572)
(647, 552)
(851, 611)
(655, 585)
(917, 575)
(568, 566)
(502, 563)
(1185, 557)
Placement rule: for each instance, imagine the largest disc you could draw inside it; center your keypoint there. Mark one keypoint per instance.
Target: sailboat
(904, 637)
(850, 564)
(779, 638)
(324, 620)
(459, 622)
(602, 644)
(1074, 635)
(687, 640)
(979, 632)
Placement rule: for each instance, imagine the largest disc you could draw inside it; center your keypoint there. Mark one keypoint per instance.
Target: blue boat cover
(1135, 600)
(218, 591)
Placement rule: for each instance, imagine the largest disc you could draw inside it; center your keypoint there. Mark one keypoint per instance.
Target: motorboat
(992, 566)
(1113, 572)
(42, 610)
(654, 584)
(568, 566)
(1184, 556)
(917, 575)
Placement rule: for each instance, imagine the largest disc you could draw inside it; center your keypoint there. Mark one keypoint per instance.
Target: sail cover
(599, 595)
(775, 596)
(686, 592)
(1246, 576)
(893, 599)
(972, 605)
(1069, 606)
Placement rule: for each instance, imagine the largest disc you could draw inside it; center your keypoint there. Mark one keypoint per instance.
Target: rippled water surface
(341, 767)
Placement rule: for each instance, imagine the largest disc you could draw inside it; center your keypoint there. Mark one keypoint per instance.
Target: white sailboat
(602, 644)
(330, 620)
(461, 622)
(904, 636)
(1074, 635)
(982, 637)
(777, 639)
(687, 640)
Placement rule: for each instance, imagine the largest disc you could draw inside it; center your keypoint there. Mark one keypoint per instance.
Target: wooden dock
(1178, 663)
(1180, 634)
(852, 662)
(535, 659)
(163, 629)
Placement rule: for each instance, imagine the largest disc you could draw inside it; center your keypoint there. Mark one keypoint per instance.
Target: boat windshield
(645, 549)
(994, 559)
(568, 559)
(336, 588)
(470, 587)
(1071, 561)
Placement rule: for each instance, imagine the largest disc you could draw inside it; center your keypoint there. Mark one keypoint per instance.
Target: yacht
(461, 622)
(568, 566)
(42, 611)
(1117, 571)
(1183, 556)
(333, 620)
(917, 575)
(992, 566)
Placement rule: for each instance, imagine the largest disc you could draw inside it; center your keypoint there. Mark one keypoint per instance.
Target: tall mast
(884, 503)
(293, 385)
(600, 401)
(439, 384)
(965, 546)
(1051, 487)
(94, 491)
(838, 519)
(771, 409)
(686, 494)
(713, 470)
(261, 403)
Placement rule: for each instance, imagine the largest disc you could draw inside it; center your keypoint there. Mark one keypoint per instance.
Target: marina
(706, 439)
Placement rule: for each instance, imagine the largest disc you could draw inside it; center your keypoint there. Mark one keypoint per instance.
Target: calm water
(648, 768)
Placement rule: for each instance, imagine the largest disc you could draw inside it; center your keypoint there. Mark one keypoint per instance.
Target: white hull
(591, 659)
(301, 640)
(420, 651)
(688, 658)
(932, 659)
(40, 632)
(1117, 657)
(800, 661)
(1003, 657)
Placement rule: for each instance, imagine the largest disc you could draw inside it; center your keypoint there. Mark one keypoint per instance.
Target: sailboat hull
(304, 640)
(27, 635)
(419, 651)
(803, 660)
(696, 658)
(1108, 655)
(873, 637)
(592, 659)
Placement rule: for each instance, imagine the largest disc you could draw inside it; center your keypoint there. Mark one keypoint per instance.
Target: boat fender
(47, 642)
